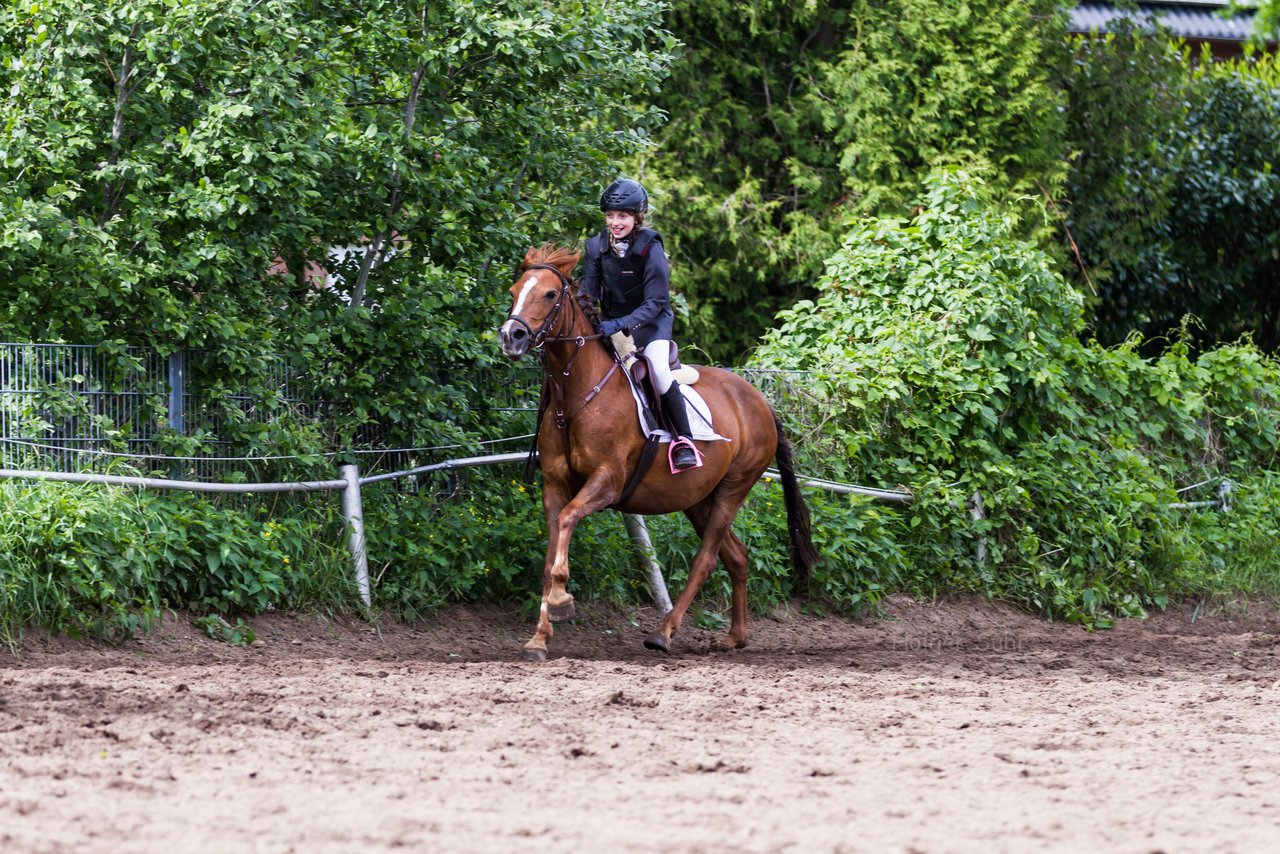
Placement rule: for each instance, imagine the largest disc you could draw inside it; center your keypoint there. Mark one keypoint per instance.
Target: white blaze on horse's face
(516, 335)
(529, 284)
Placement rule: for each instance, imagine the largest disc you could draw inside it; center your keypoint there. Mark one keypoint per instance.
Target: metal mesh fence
(73, 407)
(58, 402)
(76, 407)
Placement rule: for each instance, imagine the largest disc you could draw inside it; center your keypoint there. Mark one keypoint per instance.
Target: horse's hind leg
(733, 553)
(712, 520)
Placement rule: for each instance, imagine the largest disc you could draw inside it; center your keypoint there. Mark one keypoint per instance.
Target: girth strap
(647, 455)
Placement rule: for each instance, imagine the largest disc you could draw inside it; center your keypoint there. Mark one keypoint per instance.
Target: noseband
(541, 335)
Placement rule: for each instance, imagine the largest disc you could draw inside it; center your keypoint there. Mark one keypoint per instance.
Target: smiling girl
(626, 270)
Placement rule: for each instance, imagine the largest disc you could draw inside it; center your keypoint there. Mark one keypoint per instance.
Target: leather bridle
(542, 334)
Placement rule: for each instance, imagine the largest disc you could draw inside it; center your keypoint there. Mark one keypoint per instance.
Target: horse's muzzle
(514, 338)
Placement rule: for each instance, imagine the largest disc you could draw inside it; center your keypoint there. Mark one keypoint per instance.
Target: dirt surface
(940, 727)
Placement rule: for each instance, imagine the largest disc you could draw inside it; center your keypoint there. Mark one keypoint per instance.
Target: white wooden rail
(350, 482)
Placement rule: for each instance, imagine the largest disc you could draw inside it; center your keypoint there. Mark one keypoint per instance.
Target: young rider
(626, 270)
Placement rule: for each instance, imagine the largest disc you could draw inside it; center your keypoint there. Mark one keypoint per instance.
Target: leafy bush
(946, 357)
(1173, 188)
(106, 561)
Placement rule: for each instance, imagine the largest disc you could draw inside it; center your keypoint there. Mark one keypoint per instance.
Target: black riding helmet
(624, 195)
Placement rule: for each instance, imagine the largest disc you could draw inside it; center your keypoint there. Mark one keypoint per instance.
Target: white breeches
(658, 352)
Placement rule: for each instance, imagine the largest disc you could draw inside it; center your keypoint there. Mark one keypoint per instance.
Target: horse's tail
(803, 553)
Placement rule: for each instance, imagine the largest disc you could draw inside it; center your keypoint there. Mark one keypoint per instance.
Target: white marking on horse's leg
(560, 565)
(557, 595)
(543, 632)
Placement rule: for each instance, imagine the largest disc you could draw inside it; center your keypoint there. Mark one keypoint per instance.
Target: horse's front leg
(557, 601)
(599, 492)
(554, 498)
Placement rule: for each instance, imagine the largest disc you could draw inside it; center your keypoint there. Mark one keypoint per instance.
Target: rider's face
(620, 223)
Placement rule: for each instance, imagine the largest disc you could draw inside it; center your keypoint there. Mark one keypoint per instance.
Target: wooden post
(353, 516)
(639, 532)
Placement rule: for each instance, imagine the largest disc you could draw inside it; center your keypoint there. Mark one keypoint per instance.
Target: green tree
(1172, 193)
(790, 119)
(1267, 24)
(175, 169)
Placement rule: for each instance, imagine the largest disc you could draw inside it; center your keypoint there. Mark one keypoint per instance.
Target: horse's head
(541, 297)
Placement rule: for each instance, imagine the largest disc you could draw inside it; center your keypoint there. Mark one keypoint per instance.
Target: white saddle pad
(694, 406)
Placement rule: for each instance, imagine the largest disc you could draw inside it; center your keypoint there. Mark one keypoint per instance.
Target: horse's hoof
(658, 642)
(560, 613)
(534, 655)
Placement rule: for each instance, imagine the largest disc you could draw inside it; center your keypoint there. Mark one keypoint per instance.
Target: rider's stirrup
(683, 455)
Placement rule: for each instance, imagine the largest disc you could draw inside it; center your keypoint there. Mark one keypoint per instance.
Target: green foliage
(946, 357)
(789, 118)
(106, 561)
(219, 629)
(927, 84)
(1266, 26)
(1173, 189)
(253, 177)
(1235, 552)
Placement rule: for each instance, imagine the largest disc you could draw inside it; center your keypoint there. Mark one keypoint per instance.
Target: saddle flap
(696, 409)
(675, 357)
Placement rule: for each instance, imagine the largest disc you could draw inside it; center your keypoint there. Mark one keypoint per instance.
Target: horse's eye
(549, 295)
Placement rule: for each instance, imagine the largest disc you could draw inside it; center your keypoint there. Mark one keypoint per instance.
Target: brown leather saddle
(643, 377)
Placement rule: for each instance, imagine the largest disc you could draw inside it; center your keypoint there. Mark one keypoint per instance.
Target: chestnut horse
(589, 443)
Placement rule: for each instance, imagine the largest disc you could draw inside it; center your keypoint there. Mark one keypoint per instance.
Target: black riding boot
(683, 457)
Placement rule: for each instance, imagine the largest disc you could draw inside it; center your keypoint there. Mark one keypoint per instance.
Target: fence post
(353, 516)
(639, 532)
(177, 402)
(178, 391)
(978, 514)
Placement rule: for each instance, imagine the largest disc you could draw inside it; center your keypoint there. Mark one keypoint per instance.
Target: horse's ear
(533, 256)
(569, 262)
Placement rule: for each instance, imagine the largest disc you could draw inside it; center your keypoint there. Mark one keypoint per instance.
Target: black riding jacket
(634, 289)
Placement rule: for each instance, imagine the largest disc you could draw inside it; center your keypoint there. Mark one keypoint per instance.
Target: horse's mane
(566, 259)
(550, 253)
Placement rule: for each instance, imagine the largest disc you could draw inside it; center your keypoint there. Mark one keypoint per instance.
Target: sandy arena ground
(944, 727)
